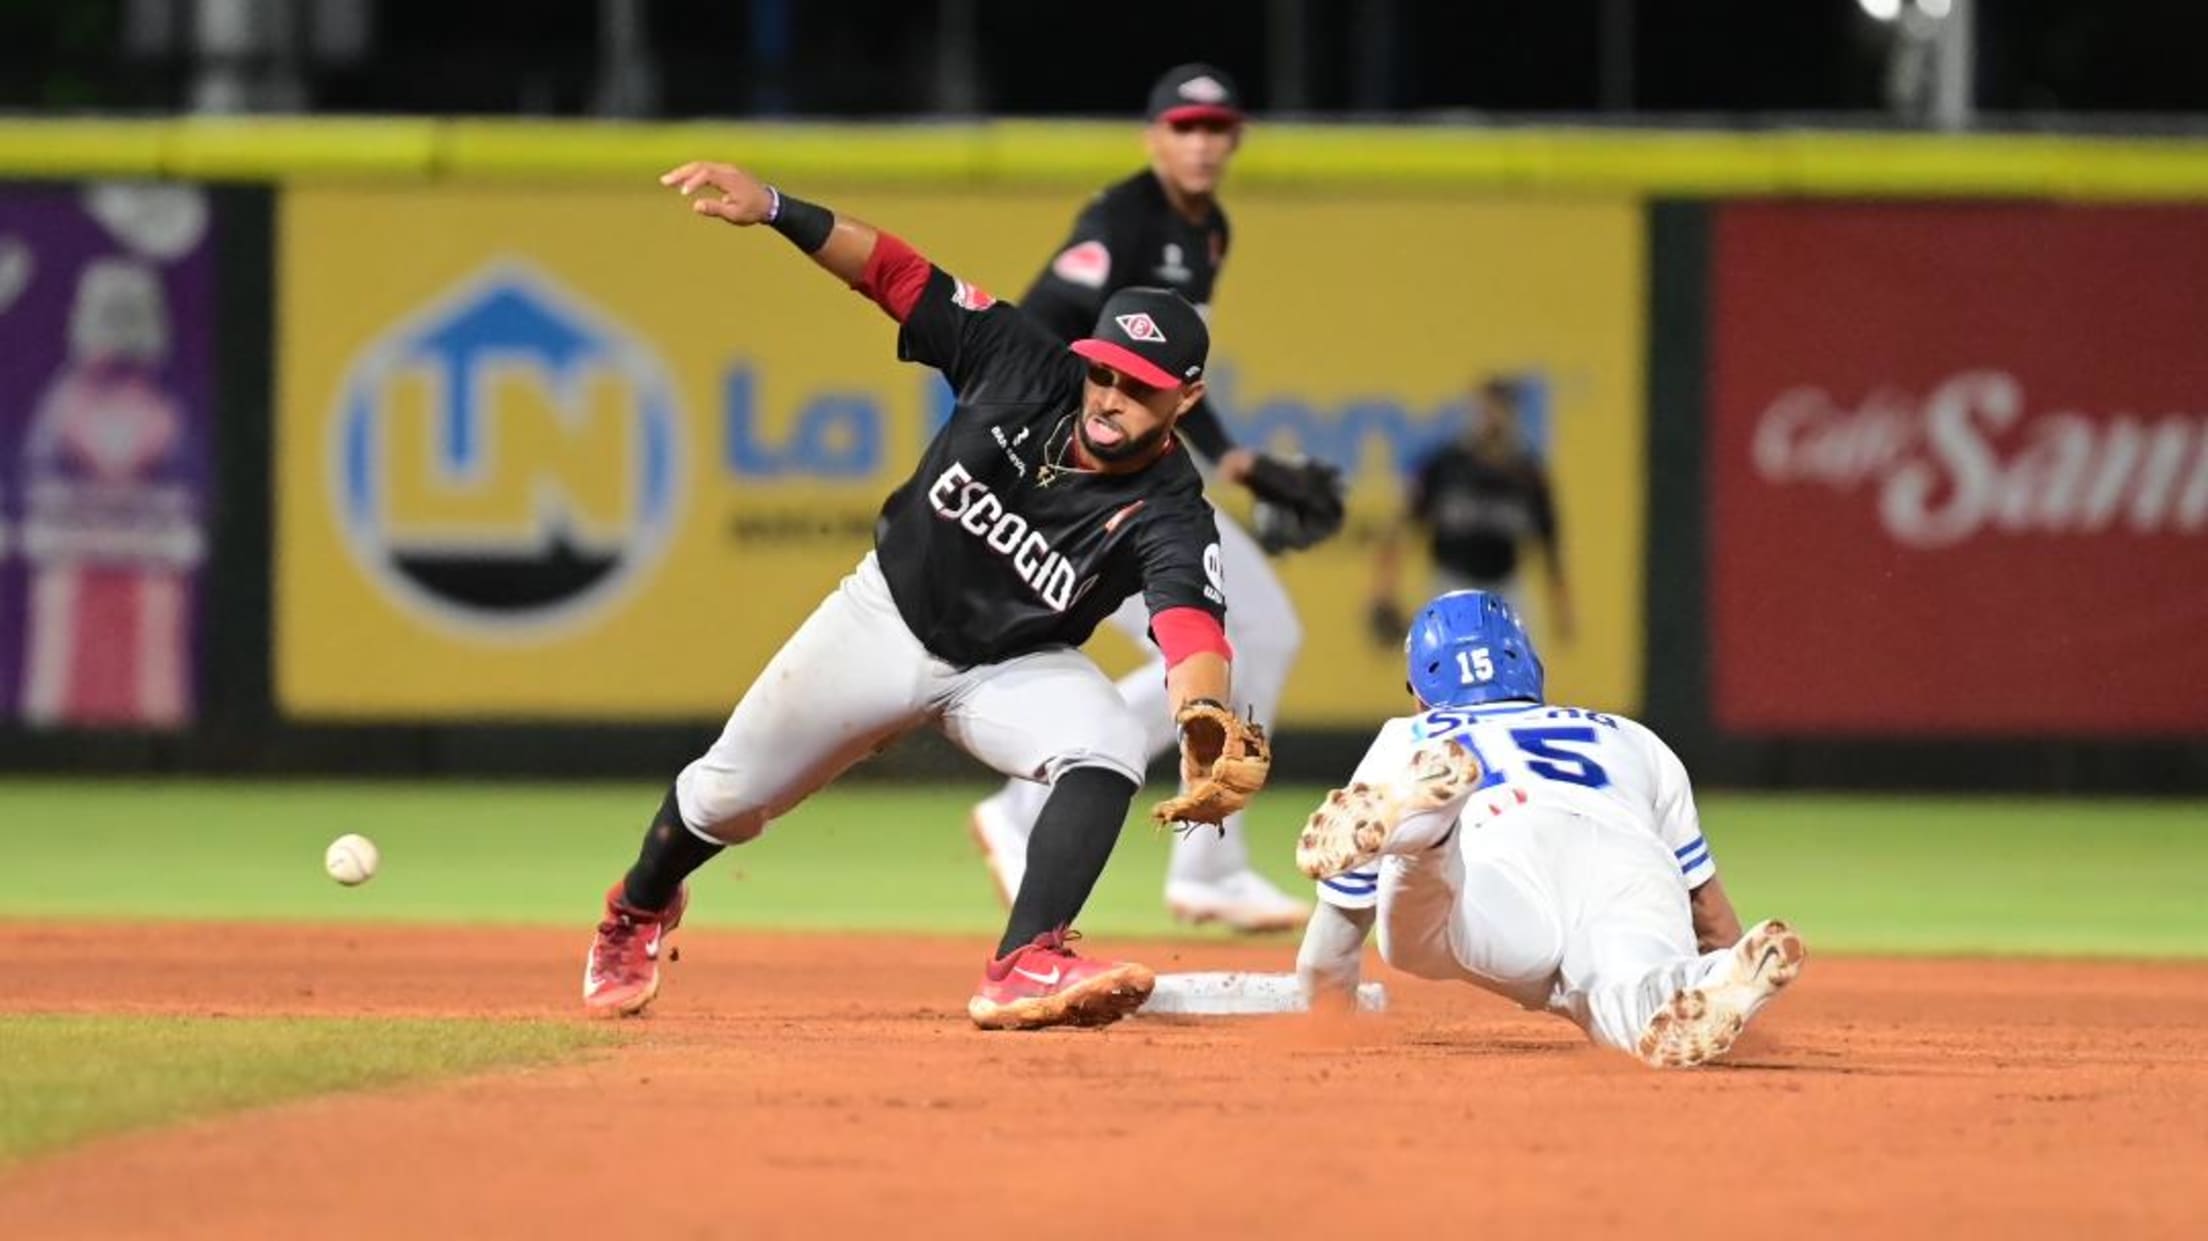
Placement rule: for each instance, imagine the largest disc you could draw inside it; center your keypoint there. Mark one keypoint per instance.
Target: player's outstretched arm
(953, 332)
(1332, 956)
(839, 243)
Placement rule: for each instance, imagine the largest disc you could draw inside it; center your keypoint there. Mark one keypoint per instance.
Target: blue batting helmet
(1468, 647)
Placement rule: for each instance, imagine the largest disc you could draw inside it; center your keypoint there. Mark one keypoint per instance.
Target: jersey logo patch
(1204, 89)
(1088, 265)
(1216, 570)
(1171, 268)
(970, 296)
(1140, 327)
(1008, 445)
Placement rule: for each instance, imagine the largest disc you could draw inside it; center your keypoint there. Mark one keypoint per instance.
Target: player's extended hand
(736, 196)
(1224, 762)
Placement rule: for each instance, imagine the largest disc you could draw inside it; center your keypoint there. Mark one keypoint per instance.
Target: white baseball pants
(853, 678)
(1552, 909)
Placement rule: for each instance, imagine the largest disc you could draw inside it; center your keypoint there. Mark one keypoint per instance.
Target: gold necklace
(1054, 458)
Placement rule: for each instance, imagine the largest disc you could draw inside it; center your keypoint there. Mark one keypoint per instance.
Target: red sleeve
(894, 276)
(1182, 632)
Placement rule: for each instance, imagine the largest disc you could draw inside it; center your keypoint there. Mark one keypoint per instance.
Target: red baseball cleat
(1044, 984)
(622, 974)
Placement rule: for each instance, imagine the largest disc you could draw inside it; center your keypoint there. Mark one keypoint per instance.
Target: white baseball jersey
(1606, 767)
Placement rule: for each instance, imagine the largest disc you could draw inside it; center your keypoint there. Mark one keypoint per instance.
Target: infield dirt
(830, 1086)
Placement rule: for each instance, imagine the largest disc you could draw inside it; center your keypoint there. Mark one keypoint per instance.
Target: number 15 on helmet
(1468, 647)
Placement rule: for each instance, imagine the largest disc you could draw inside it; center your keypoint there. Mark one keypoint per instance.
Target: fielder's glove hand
(1299, 502)
(1224, 762)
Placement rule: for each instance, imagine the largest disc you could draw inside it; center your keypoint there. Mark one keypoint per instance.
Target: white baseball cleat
(1352, 825)
(1003, 845)
(1701, 1023)
(1244, 900)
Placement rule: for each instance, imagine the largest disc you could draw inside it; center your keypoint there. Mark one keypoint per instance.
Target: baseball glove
(1299, 502)
(1224, 762)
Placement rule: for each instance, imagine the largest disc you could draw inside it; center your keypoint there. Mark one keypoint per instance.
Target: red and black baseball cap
(1196, 93)
(1153, 335)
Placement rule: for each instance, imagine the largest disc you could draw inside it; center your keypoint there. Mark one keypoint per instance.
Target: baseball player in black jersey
(1479, 499)
(1055, 491)
(1164, 226)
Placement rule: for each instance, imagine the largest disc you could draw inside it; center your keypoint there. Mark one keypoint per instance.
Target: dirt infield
(811, 1086)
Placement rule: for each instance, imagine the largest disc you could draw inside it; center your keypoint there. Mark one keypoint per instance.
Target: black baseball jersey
(1479, 511)
(990, 550)
(1129, 235)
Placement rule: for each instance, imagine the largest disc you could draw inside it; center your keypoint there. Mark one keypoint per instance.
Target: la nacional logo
(507, 463)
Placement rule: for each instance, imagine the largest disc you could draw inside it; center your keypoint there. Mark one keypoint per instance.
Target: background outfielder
(1549, 854)
(1479, 499)
(1054, 492)
(1164, 226)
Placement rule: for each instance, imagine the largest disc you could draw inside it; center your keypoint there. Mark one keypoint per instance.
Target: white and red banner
(1959, 469)
(106, 424)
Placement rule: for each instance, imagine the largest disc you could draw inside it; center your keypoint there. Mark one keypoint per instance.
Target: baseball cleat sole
(1352, 825)
(629, 1006)
(1702, 1023)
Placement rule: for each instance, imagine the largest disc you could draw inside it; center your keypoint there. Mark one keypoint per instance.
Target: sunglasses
(1105, 377)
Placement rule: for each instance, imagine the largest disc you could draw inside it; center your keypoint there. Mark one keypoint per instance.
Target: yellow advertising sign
(579, 454)
(1356, 328)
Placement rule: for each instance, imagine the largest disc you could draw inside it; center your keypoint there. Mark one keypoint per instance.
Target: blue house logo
(508, 460)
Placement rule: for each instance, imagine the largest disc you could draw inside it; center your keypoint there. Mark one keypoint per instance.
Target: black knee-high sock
(671, 851)
(1072, 841)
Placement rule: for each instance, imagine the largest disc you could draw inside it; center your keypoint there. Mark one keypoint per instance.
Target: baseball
(351, 859)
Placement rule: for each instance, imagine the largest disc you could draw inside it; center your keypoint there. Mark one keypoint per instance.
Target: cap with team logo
(1196, 93)
(1152, 334)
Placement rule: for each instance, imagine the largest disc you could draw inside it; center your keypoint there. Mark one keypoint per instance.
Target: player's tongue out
(1104, 432)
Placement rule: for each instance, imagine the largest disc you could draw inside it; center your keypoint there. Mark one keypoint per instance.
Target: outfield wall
(736, 420)
(501, 462)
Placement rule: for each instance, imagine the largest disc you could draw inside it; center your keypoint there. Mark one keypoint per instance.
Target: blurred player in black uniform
(1055, 492)
(1164, 226)
(1479, 499)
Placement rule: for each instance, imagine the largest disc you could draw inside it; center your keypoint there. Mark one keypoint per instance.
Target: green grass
(2063, 877)
(1883, 874)
(2045, 876)
(67, 1078)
